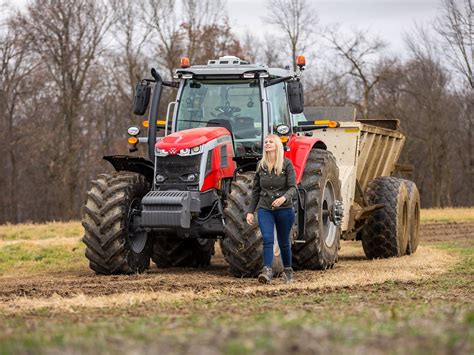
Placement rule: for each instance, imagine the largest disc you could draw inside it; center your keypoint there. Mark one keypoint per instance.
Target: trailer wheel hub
(328, 202)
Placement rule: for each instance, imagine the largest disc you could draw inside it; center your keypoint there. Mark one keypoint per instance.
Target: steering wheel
(227, 109)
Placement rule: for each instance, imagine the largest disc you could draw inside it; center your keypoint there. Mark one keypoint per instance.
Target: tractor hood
(190, 138)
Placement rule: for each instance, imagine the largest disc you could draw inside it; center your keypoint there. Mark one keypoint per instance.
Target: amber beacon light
(185, 62)
(301, 61)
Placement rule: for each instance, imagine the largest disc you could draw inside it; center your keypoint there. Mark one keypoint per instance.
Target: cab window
(280, 113)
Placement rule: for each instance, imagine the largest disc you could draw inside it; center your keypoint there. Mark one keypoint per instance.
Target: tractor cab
(249, 100)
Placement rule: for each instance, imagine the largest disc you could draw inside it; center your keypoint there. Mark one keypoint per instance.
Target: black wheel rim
(136, 234)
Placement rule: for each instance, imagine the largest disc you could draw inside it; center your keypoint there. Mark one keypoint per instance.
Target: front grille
(174, 166)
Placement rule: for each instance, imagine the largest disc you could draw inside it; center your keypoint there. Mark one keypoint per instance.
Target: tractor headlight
(283, 129)
(191, 151)
(191, 178)
(133, 131)
(160, 152)
(159, 178)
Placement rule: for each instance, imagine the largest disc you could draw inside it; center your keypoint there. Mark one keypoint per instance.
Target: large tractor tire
(413, 217)
(386, 231)
(115, 244)
(178, 252)
(322, 235)
(242, 245)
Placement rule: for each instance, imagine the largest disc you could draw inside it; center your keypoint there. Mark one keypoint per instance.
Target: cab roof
(230, 65)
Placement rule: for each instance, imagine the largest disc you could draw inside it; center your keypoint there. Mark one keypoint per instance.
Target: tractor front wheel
(115, 242)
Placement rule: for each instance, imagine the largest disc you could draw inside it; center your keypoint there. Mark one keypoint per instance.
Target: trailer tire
(413, 217)
(114, 244)
(178, 252)
(385, 234)
(322, 237)
(242, 245)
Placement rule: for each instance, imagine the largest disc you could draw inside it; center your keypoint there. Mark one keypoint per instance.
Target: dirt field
(51, 302)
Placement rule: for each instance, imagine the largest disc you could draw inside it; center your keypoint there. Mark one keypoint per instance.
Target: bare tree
(296, 19)
(131, 36)
(456, 27)
(66, 35)
(165, 27)
(199, 15)
(251, 47)
(13, 74)
(359, 51)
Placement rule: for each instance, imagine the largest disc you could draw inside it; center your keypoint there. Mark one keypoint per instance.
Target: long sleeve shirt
(268, 186)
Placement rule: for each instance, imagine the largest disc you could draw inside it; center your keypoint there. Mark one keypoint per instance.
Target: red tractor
(194, 187)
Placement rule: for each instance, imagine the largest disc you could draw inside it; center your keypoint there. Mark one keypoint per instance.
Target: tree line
(68, 69)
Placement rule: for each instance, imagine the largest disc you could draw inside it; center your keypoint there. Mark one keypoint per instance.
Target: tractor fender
(140, 165)
(298, 148)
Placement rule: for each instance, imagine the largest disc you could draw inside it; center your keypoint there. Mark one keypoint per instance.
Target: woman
(272, 193)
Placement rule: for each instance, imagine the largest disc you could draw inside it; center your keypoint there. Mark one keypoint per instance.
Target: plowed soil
(81, 288)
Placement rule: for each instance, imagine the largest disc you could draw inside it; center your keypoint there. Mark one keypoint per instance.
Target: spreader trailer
(193, 187)
(376, 207)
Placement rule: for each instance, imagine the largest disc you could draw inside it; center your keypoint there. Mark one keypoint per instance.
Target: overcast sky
(389, 19)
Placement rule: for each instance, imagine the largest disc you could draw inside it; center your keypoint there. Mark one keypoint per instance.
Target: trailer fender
(138, 165)
(298, 151)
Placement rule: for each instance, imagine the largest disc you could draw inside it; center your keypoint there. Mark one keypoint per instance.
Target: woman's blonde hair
(278, 165)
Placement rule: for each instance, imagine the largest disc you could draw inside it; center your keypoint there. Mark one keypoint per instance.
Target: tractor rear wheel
(178, 252)
(115, 243)
(386, 231)
(413, 216)
(322, 235)
(242, 246)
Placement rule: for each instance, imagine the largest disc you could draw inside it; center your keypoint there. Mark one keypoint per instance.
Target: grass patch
(399, 327)
(25, 258)
(41, 231)
(447, 215)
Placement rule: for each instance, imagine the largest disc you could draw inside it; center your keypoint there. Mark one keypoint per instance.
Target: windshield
(232, 104)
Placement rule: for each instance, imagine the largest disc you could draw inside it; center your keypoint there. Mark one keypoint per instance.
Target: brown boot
(266, 275)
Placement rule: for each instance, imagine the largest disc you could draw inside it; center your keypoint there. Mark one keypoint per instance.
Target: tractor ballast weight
(194, 186)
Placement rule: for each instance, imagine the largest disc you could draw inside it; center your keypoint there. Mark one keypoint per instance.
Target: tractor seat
(244, 128)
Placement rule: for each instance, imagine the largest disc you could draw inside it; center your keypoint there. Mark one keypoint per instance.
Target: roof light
(249, 75)
(301, 61)
(187, 76)
(185, 62)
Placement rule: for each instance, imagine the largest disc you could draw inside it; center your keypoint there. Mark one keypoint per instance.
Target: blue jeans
(283, 219)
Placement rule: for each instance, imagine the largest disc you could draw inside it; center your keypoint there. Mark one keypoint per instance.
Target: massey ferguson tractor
(194, 185)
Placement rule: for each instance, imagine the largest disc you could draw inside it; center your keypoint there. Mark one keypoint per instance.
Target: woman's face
(269, 145)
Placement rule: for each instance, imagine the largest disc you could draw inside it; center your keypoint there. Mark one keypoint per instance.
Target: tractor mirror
(295, 96)
(141, 98)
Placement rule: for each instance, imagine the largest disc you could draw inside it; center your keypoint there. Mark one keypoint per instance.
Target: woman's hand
(279, 201)
(250, 218)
